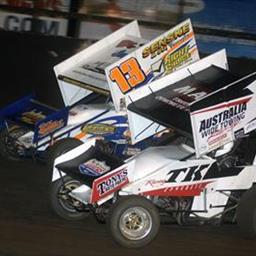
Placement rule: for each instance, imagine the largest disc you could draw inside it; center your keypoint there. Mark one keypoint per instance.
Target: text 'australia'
(223, 120)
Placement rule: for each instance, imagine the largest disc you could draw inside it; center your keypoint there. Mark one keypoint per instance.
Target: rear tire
(63, 204)
(8, 149)
(246, 213)
(134, 221)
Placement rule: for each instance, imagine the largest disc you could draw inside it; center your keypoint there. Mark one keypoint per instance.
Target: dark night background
(27, 62)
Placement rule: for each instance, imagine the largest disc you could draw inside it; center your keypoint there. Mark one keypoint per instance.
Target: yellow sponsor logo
(176, 59)
(31, 117)
(98, 129)
(161, 45)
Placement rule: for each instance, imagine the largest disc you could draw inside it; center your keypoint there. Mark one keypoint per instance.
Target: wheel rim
(65, 200)
(135, 223)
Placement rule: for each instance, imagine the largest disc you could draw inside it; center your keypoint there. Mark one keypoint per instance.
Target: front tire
(246, 213)
(63, 204)
(134, 221)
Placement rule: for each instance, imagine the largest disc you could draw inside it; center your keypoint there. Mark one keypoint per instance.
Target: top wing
(170, 106)
(212, 106)
(83, 73)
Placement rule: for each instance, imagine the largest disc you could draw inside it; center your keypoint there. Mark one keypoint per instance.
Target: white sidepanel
(218, 59)
(72, 93)
(220, 124)
(212, 197)
(141, 127)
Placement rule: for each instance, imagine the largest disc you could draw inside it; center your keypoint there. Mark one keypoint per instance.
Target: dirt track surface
(29, 227)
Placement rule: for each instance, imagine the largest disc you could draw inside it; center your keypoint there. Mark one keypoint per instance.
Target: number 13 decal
(128, 75)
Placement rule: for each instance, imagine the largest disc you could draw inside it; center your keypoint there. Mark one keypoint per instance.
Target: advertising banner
(28, 23)
(229, 15)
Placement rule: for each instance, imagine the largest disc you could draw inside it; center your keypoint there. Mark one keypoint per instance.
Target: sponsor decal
(31, 117)
(183, 190)
(239, 133)
(203, 147)
(175, 102)
(155, 183)
(185, 95)
(250, 126)
(200, 173)
(111, 182)
(120, 54)
(218, 139)
(191, 93)
(108, 184)
(216, 125)
(98, 129)
(127, 44)
(127, 75)
(78, 109)
(193, 173)
(97, 67)
(131, 151)
(176, 59)
(93, 167)
(222, 121)
(161, 45)
(50, 126)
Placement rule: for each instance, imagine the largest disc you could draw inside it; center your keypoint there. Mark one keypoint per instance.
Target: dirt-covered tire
(246, 213)
(60, 147)
(63, 204)
(133, 221)
(8, 149)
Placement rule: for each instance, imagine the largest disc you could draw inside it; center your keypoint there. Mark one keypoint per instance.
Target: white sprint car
(205, 173)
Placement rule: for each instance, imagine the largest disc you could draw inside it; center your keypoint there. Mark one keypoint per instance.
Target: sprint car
(29, 128)
(94, 100)
(204, 174)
